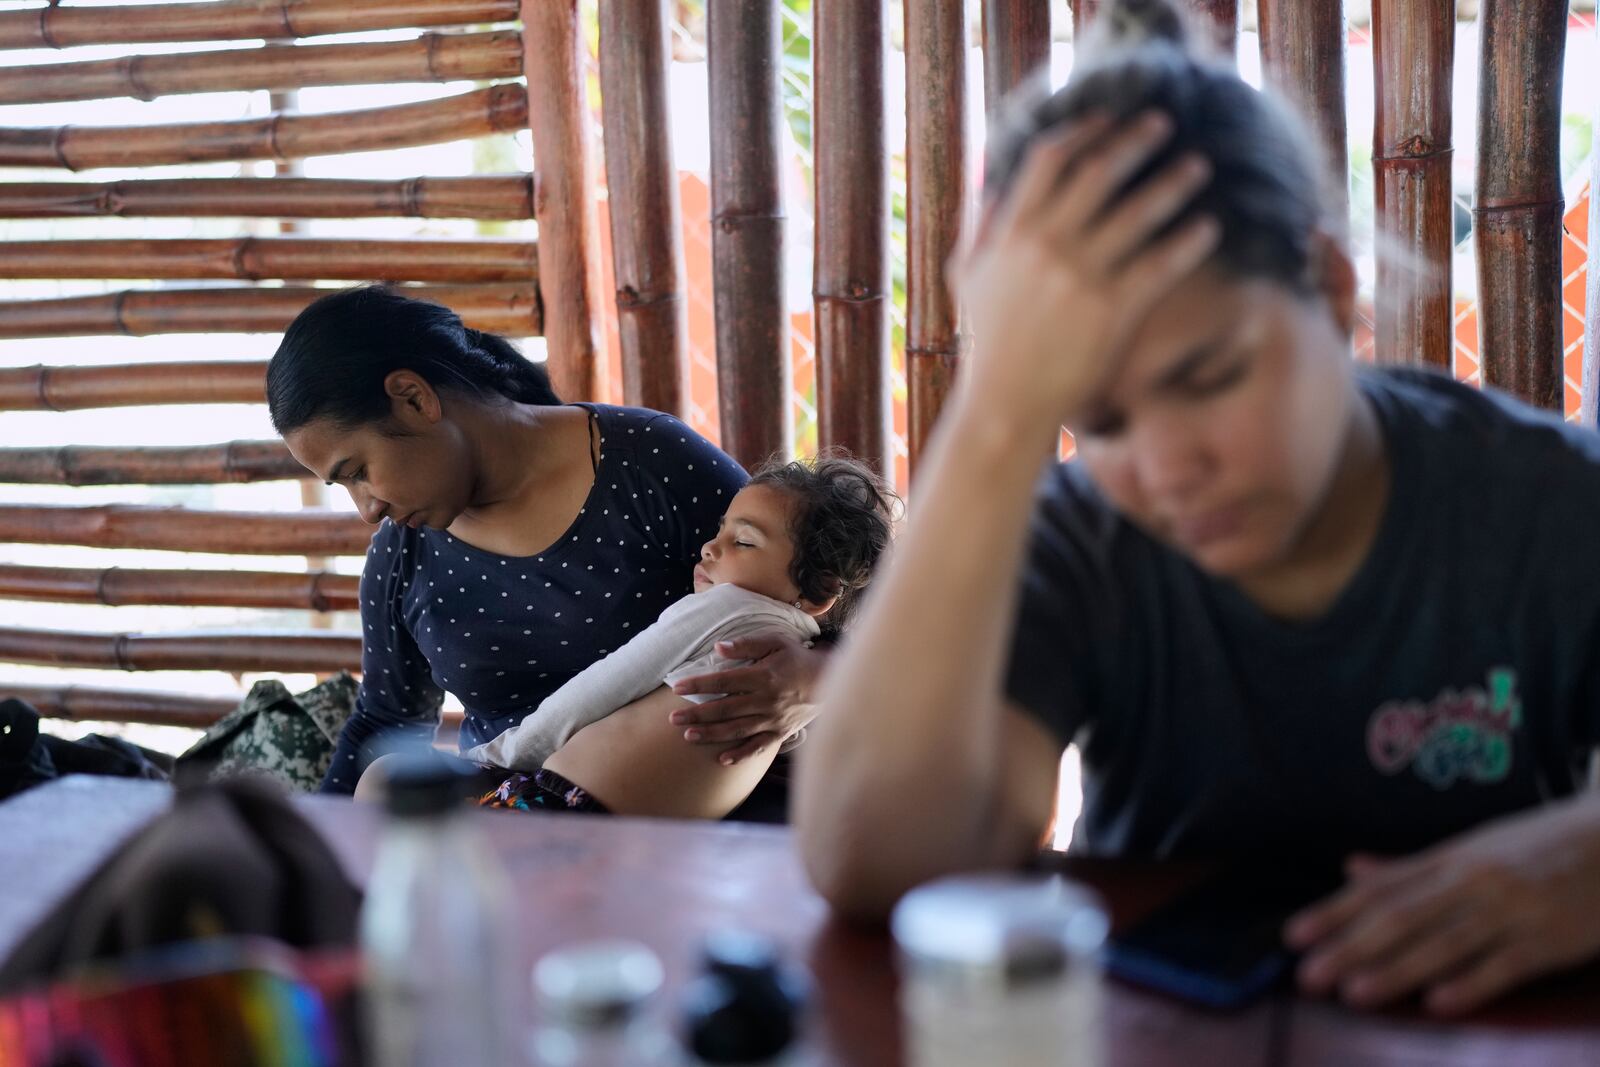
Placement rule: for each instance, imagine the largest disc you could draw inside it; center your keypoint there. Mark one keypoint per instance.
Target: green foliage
(794, 87)
(795, 75)
(1577, 142)
(1363, 201)
(899, 269)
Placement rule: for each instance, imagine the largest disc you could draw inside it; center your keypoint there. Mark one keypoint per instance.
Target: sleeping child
(791, 556)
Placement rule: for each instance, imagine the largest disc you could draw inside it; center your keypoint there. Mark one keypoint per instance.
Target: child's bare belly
(635, 762)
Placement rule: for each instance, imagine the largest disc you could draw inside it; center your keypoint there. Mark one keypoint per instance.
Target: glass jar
(591, 999)
(1000, 969)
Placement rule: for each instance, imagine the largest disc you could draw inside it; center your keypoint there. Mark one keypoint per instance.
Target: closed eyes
(1222, 381)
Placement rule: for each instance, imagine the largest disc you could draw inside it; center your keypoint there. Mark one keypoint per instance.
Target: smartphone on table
(1220, 944)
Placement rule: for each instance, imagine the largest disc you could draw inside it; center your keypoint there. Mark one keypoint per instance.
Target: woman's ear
(1335, 279)
(413, 403)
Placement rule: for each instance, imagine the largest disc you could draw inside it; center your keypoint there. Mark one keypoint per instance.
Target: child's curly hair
(842, 522)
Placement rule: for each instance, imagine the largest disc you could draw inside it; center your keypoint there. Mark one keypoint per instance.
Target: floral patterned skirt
(541, 791)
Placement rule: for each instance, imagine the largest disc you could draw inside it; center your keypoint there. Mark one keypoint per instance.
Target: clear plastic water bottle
(1000, 969)
(591, 1000)
(437, 932)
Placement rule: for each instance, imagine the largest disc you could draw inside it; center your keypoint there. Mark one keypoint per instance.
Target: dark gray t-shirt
(1455, 679)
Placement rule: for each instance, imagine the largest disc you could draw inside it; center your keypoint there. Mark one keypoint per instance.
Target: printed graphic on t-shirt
(1460, 734)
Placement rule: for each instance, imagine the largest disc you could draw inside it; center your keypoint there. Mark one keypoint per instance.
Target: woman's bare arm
(916, 769)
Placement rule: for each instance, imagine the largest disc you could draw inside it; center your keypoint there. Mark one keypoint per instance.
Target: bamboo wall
(526, 60)
(529, 56)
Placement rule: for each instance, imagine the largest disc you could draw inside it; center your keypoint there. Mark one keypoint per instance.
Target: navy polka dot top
(503, 632)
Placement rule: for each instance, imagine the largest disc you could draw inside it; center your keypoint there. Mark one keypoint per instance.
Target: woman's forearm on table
(902, 774)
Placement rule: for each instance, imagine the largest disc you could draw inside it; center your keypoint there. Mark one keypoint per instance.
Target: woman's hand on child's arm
(1464, 921)
(763, 703)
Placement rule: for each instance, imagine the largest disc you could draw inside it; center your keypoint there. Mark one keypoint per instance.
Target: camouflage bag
(284, 736)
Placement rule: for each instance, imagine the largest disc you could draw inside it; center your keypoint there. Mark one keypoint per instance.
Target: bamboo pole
(478, 197)
(236, 461)
(1222, 18)
(1589, 402)
(754, 373)
(1083, 14)
(431, 57)
(319, 591)
(84, 703)
(175, 529)
(232, 20)
(646, 222)
(1016, 42)
(564, 197)
(1302, 57)
(1413, 46)
(41, 388)
(496, 109)
(290, 258)
(936, 201)
(1517, 217)
(507, 309)
(283, 650)
(851, 257)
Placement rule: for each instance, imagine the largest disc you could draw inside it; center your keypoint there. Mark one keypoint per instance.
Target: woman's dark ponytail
(335, 356)
(523, 380)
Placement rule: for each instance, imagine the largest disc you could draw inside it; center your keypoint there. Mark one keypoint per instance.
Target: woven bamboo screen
(502, 67)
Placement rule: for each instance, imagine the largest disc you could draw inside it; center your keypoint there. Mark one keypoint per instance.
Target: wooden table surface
(668, 883)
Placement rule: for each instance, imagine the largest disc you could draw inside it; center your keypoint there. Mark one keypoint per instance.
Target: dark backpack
(228, 858)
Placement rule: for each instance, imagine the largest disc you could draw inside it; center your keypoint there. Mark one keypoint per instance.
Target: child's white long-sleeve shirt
(680, 644)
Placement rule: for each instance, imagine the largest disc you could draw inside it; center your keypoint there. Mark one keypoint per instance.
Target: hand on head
(1066, 266)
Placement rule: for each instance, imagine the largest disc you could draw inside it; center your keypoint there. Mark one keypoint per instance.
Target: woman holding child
(1286, 605)
(519, 540)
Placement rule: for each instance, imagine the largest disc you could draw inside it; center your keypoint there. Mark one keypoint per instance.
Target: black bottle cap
(745, 1007)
